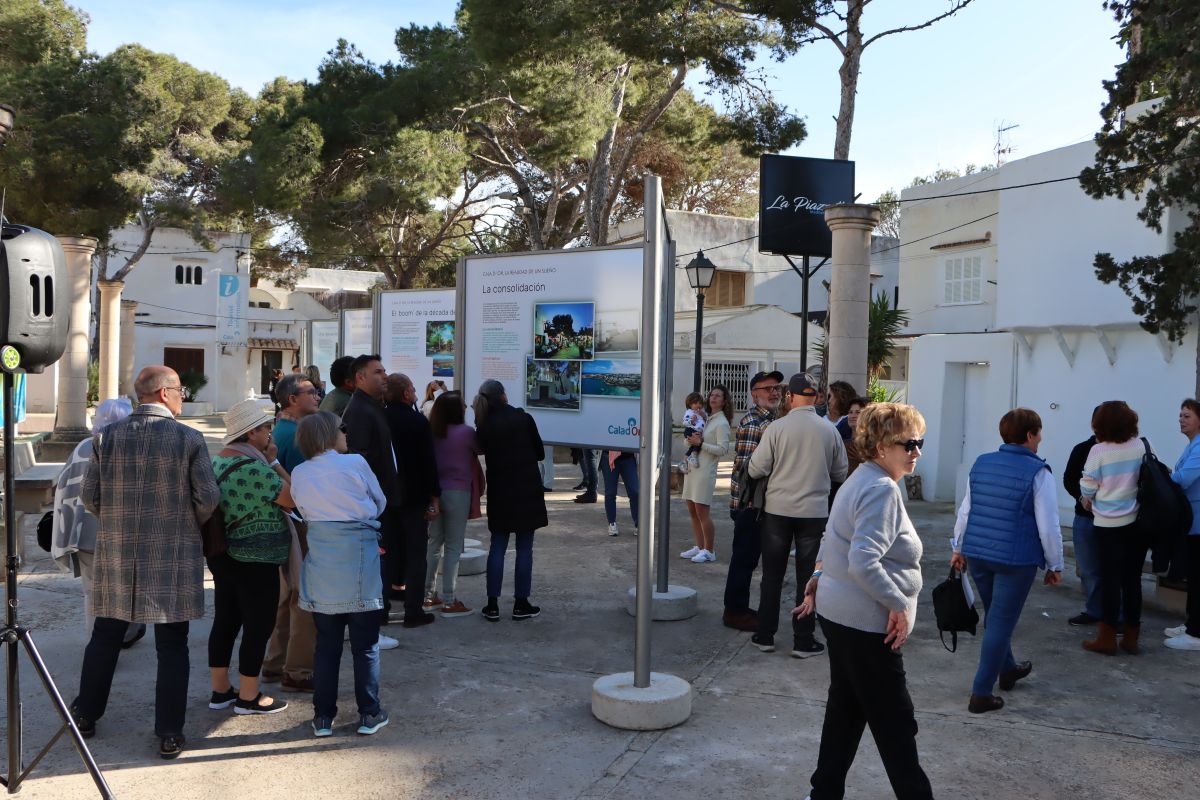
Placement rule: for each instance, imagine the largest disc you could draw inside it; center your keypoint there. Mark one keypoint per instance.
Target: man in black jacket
(1083, 538)
(412, 440)
(368, 434)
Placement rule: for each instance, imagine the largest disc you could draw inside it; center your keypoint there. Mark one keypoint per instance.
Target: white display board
(561, 330)
(323, 344)
(358, 331)
(416, 334)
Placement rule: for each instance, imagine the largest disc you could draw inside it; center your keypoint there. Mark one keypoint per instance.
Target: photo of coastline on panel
(552, 384)
(615, 377)
(564, 331)
(617, 331)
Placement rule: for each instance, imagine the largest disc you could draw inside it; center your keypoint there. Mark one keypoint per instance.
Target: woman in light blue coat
(339, 581)
(1187, 475)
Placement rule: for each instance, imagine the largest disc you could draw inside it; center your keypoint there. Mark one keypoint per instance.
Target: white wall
(962, 385)
(933, 223)
(1049, 236)
(1141, 377)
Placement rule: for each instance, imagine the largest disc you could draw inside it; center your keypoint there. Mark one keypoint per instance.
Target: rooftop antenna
(1003, 148)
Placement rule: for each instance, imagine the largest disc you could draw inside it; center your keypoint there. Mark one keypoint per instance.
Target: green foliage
(93, 383)
(192, 381)
(1164, 151)
(878, 393)
(884, 324)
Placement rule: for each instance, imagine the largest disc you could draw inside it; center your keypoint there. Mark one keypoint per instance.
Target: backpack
(212, 532)
(1164, 511)
(952, 611)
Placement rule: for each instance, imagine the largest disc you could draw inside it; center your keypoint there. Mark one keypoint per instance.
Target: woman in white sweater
(865, 594)
(699, 482)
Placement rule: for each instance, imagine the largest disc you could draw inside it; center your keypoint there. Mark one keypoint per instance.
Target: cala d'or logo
(630, 428)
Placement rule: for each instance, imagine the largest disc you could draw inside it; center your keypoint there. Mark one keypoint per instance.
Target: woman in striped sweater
(1108, 488)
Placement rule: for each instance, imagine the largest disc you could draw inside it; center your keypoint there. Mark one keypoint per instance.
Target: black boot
(587, 497)
(491, 612)
(523, 610)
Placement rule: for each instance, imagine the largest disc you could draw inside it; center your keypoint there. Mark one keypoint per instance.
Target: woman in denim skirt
(339, 581)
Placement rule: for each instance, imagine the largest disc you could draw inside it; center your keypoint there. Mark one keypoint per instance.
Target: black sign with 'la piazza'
(792, 196)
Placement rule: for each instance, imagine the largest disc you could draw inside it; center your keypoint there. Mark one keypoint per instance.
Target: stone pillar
(110, 336)
(850, 292)
(128, 352)
(71, 419)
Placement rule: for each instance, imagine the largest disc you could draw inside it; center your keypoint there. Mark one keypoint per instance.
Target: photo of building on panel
(552, 384)
(617, 331)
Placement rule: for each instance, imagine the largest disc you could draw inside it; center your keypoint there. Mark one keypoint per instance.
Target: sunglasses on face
(342, 427)
(912, 444)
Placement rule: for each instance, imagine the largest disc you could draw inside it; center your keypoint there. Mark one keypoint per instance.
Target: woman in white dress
(699, 482)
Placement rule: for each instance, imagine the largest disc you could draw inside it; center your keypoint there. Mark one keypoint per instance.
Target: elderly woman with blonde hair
(864, 592)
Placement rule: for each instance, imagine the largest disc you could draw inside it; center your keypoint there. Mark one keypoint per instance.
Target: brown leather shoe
(980, 704)
(1105, 641)
(1009, 678)
(289, 684)
(1129, 642)
(745, 621)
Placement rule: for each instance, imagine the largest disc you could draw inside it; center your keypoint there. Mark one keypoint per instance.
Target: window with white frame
(963, 280)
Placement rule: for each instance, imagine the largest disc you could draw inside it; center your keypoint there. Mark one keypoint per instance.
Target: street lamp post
(700, 272)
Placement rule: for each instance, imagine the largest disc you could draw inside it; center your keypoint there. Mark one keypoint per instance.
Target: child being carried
(694, 420)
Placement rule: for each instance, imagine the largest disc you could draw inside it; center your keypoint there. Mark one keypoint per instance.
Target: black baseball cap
(803, 383)
(759, 377)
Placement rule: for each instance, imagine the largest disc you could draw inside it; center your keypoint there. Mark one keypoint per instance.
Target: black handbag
(952, 611)
(1164, 511)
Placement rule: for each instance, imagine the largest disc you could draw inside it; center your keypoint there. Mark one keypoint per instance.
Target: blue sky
(926, 99)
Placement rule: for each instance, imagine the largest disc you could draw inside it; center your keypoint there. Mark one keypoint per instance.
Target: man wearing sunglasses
(766, 391)
(801, 456)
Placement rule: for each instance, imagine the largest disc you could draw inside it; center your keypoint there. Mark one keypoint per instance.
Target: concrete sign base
(665, 703)
(678, 602)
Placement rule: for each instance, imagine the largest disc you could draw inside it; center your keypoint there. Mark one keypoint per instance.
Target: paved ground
(501, 710)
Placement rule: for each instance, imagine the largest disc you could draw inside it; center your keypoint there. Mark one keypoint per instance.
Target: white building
(179, 311)
(1006, 311)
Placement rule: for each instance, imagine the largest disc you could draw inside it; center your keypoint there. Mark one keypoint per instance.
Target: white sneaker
(683, 467)
(1178, 630)
(612, 530)
(690, 552)
(387, 642)
(703, 557)
(1184, 642)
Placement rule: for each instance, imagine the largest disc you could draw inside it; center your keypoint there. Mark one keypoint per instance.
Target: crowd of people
(338, 513)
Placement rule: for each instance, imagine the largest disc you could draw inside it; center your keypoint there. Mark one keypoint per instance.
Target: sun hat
(243, 417)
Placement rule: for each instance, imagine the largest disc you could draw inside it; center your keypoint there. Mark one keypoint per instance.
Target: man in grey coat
(151, 484)
(801, 455)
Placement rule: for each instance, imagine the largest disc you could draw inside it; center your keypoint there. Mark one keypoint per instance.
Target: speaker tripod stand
(14, 635)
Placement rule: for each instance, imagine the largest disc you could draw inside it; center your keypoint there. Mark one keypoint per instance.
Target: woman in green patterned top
(255, 490)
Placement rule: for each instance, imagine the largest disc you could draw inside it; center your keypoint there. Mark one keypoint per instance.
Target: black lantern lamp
(700, 273)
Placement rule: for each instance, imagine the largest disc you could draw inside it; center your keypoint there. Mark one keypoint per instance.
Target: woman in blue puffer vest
(1007, 528)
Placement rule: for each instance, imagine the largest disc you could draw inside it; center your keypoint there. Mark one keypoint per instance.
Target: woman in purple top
(457, 456)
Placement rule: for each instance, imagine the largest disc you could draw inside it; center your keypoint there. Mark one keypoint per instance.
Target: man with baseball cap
(766, 390)
(801, 456)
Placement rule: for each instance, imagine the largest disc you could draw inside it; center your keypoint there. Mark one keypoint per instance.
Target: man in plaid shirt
(766, 390)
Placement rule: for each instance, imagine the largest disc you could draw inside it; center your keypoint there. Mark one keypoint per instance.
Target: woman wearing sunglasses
(864, 591)
(1007, 528)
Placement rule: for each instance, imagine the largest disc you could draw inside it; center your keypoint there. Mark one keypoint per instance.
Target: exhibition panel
(562, 331)
(358, 331)
(416, 334)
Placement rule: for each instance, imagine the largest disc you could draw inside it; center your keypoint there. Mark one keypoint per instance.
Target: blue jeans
(364, 648)
(1003, 589)
(744, 554)
(626, 470)
(587, 466)
(1087, 558)
(523, 576)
